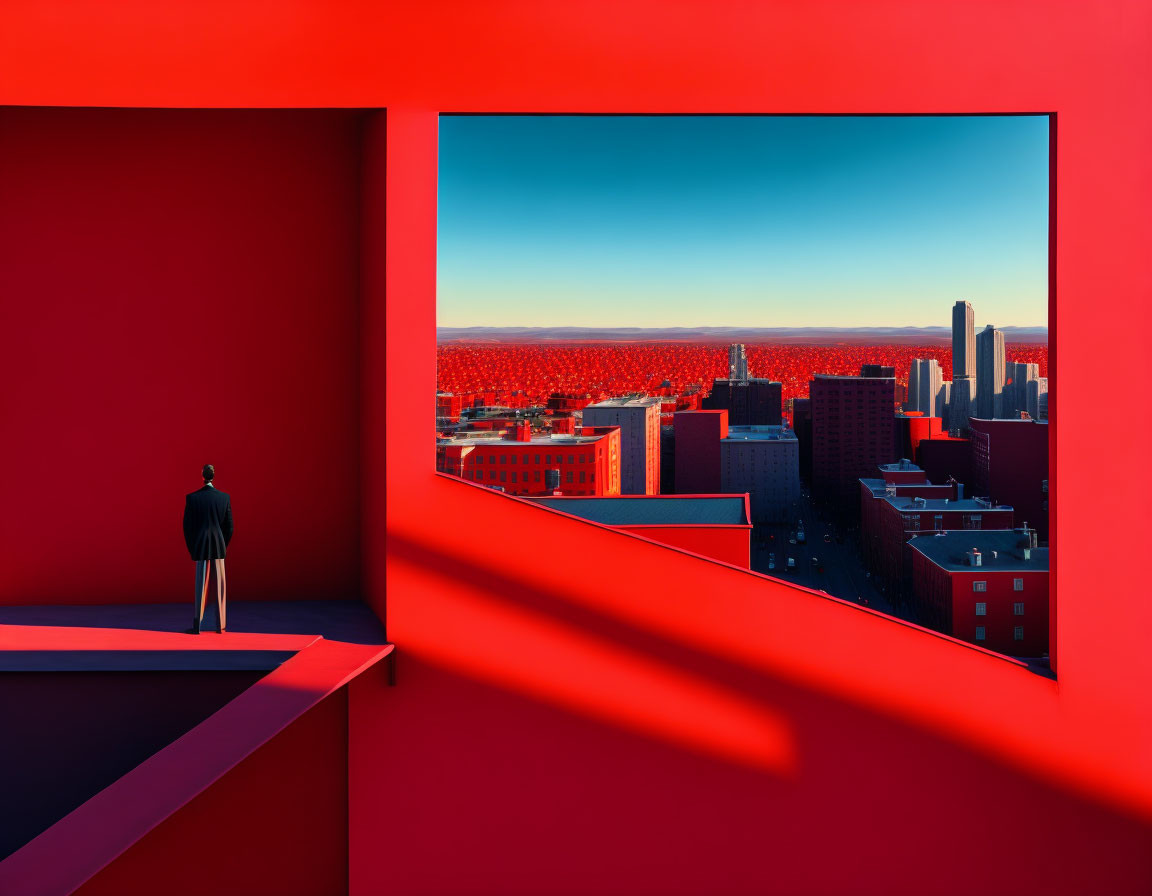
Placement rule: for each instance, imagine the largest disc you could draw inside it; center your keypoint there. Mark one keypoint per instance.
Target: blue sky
(741, 221)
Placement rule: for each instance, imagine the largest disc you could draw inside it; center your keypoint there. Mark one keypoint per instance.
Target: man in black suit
(207, 531)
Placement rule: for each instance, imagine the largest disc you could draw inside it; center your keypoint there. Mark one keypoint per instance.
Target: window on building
(979, 586)
(582, 458)
(571, 459)
(503, 458)
(979, 633)
(582, 476)
(1018, 633)
(1018, 608)
(503, 475)
(938, 522)
(569, 477)
(911, 522)
(536, 476)
(981, 609)
(547, 458)
(491, 474)
(513, 475)
(537, 458)
(1017, 584)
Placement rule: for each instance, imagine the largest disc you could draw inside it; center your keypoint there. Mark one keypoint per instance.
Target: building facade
(852, 433)
(749, 402)
(697, 436)
(639, 422)
(925, 387)
(989, 588)
(1010, 466)
(588, 463)
(764, 463)
(990, 372)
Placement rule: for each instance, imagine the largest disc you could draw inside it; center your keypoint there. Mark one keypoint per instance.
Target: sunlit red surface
(525, 375)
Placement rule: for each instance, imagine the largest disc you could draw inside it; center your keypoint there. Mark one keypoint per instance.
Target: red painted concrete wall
(180, 288)
(727, 544)
(546, 735)
(276, 823)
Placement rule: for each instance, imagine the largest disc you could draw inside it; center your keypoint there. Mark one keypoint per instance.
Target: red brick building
(990, 588)
(589, 463)
(852, 432)
(1010, 465)
(698, 435)
(894, 513)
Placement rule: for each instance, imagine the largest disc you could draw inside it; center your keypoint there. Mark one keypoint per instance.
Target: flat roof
(654, 510)
(626, 402)
(760, 434)
(948, 550)
(921, 504)
(902, 465)
(847, 376)
(537, 439)
(879, 486)
(752, 379)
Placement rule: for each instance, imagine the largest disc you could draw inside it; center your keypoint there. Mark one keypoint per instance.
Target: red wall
(276, 823)
(725, 736)
(728, 544)
(180, 288)
(1000, 620)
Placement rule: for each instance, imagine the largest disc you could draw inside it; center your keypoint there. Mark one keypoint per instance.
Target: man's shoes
(195, 630)
(219, 631)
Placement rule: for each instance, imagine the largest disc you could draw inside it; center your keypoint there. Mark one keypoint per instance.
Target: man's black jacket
(207, 523)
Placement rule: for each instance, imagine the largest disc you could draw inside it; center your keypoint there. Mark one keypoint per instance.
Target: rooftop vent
(974, 557)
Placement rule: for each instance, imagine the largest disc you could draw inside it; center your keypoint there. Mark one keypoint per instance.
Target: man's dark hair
(209, 472)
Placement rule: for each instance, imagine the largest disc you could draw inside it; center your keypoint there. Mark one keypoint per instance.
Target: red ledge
(73, 850)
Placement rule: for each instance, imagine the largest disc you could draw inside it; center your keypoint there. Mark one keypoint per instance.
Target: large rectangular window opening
(812, 346)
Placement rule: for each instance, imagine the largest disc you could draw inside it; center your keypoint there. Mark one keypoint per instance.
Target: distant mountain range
(812, 335)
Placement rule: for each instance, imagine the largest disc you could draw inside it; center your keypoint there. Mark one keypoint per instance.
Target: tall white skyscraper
(737, 362)
(963, 341)
(989, 373)
(963, 402)
(925, 381)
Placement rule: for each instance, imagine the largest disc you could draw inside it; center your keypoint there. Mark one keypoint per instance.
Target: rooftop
(633, 401)
(903, 464)
(751, 379)
(948, 550)
(879, 486)
(479, 438)
(651, 510)
(760, 434)
(967, 504)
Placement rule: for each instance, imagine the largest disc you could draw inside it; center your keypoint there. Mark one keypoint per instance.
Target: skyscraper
(1036, 388)
(963, 340)
(737, 362)
(925, 382)
(963, 366)
(1016, 392)
(989, 373)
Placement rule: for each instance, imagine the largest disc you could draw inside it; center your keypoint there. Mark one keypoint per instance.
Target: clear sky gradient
(742, 221)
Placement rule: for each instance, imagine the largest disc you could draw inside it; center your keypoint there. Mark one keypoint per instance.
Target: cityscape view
(865, 438)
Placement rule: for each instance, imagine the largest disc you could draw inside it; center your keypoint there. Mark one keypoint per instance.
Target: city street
(838, 570)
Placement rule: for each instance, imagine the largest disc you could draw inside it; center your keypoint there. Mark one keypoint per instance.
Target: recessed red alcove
(575, 710)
